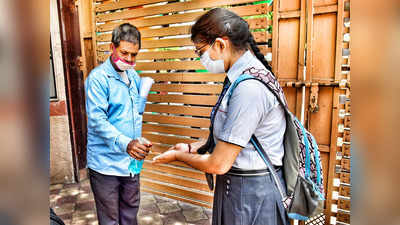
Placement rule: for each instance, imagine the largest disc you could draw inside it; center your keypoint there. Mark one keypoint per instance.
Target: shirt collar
(241, 64)
(111, 72)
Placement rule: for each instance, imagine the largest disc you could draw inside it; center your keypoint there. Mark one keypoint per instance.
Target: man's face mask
(213, 66)
(121, 63)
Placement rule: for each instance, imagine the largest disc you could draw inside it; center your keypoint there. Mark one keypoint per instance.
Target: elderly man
(114, 126)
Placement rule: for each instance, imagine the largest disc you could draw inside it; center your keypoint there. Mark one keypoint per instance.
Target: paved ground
(75, 205)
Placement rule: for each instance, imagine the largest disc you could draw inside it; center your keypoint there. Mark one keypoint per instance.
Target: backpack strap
(254, 139)
(270, 167)
(244, 77)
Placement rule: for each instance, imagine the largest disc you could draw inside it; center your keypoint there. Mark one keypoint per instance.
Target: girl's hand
(182, 147)
(166, 157)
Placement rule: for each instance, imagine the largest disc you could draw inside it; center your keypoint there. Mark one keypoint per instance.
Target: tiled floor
(75, 205)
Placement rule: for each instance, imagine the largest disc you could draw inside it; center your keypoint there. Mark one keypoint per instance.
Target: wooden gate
(304, 41)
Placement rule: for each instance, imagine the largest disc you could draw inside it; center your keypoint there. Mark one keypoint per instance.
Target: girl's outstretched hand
(166, 157)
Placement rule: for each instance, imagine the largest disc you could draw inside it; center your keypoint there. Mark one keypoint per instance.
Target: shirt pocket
(220, 118)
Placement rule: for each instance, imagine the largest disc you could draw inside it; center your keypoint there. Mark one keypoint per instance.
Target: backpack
(54, 219)
(302, 168)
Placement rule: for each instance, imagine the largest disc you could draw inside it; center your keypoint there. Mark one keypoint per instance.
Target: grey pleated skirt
(248, 200)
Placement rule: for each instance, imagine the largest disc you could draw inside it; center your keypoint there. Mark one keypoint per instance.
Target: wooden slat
(186, 99)
(326, 9)
(171, 140)
(192, 132)
(124, 4)
(157, 148)
(345, 178)
(343, 217)
(323, 148)
(346, 14)
(154, 21)
(177, 120)
(171, 65)
(163, 177)
(184, 110)
(164, 43)
(186, 77)
(345, 191)
(255, 23)
(346, 150)
(175, 190)
(345, 164)
(182, 18)
(289, 14)
(161, 43)
(172, 54)
(331, 173)
(258, 23)
(164, 9)
(158, 32)
(310, 39)
(347, 122)
(264, 49)
(344, 204)
(174, 170)
(317, 10)
(261, 36)
(188, 88)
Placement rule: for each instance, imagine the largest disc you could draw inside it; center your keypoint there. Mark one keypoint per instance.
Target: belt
(240, 172)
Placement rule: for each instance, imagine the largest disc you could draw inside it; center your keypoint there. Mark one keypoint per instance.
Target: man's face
(126, 51)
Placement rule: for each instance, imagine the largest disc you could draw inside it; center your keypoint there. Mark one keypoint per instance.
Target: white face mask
(213, 66)
(122, 65)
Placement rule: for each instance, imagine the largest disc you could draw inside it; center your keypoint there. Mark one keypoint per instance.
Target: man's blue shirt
(113, 119)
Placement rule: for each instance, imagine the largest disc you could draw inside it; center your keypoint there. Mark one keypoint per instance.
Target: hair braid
(258, 53)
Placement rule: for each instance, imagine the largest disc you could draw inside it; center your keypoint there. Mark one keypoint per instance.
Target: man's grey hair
(126, 32)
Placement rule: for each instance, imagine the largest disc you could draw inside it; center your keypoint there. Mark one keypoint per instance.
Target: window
(53, 90)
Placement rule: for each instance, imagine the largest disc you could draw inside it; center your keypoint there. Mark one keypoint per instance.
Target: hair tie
(228, 27)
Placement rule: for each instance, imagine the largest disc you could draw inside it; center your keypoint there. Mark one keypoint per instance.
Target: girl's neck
(235, 57)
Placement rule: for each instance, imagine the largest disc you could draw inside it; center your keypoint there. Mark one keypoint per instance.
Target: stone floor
(75, 205)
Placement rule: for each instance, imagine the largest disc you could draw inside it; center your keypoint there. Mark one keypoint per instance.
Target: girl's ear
(221, 43)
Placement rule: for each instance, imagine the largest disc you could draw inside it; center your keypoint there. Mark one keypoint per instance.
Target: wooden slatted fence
(304, 41)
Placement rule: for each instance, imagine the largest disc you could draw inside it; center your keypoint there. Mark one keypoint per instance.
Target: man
(114, 126)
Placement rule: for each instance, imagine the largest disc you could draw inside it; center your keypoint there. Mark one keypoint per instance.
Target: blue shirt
(113, 119)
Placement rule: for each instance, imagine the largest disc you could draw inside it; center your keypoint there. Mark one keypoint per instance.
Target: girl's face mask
(213, 66)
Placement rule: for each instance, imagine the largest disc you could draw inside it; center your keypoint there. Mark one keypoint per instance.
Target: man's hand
(137, 150)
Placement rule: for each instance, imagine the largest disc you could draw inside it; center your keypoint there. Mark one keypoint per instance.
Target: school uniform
(247, 195)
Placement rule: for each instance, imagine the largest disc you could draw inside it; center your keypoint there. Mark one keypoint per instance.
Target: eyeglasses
(197, 51)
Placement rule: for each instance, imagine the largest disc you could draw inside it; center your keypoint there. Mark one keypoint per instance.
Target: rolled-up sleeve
(247, 107)
(96, 107)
